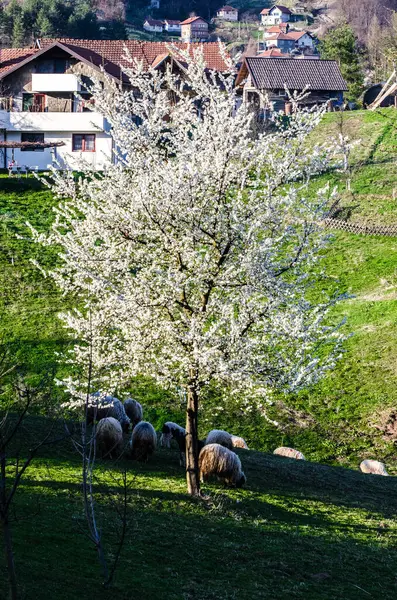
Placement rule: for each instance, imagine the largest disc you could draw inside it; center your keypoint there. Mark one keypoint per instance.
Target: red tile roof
(273, 53)
(191, 20)
(281, 28)
(110, 53)
(9, 57)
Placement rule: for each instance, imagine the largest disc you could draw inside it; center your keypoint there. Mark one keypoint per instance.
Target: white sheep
(239, 442)
(215, 459)
(109, 437)
(106, 406)
(289, 453)
(374, 467)
(143, 441)
(219, 436)
(133, 411)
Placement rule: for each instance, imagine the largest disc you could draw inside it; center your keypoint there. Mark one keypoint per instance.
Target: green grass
(297, 530)
(341, 413)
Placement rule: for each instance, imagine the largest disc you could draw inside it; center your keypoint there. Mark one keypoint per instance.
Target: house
(194, 29)
(153, 25)
(303, 39)
(44, 99)
(275, 15)
(172, 27)
(263, 82)
(227, 13)
(289, 40)
(154, 4)
(282, 41)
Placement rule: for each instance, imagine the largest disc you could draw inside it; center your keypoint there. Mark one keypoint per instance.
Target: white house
(227, 13)
(303, 39)
(275, 15)
(172, 27)
(154, 4)
(153, 25)
(46, 112)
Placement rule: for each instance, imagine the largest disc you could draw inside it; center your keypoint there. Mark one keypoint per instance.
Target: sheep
(239, 442)
(133, 411)
(109, 437)
(374, 467)
(217, 460)
(100, 407)
(289, 453)
(174, 431)
(218, 436)
(143, 441)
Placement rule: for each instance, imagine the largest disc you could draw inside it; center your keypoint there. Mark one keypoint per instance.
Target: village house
(227, 13)
(194, 29)
(172, 27)
(44, 98)
(263, 83)
(153, 25)
(154, 4)
(287, 40)
(273, 53)
(275, 15)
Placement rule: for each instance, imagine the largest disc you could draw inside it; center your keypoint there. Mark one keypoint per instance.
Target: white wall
(64, 154)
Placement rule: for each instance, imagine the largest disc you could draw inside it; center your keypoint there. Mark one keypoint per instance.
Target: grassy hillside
(297, 530)
(341, 419)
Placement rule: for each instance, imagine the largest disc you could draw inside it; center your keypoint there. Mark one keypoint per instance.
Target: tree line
(21, 23)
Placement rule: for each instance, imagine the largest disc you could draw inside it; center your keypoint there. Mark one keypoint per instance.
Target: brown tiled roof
(154, 22)
(172, 22)
(296, 35)
(191, 20)
(9, 57)
(228, 8)
(273, 53)
(281, 28)
(110, 53)
(274, 74)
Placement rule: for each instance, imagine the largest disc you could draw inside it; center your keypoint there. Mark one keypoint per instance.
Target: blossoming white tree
(194, 256)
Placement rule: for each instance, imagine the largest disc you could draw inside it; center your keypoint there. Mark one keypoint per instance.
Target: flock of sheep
(216, 458)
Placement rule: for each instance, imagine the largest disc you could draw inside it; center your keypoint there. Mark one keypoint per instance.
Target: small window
(32, 138)
(60, 65)
(83, 142)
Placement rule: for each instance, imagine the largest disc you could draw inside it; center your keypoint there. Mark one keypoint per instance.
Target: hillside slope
(348, 416)
(298, 530)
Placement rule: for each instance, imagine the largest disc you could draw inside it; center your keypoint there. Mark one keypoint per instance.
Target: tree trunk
(192, 468)
(12, 577)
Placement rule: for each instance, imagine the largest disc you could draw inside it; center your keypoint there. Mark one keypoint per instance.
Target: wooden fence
(386, 230)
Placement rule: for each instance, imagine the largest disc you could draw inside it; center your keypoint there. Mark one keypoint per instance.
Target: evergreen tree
(340, 44)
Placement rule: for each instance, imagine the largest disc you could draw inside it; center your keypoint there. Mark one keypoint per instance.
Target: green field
(297, 530)
(337, 421)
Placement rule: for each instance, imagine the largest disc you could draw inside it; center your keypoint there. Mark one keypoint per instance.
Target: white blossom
(198, 251)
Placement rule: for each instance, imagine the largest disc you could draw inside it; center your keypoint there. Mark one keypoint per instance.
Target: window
(32, 137)
(60, 65)
(83, 142)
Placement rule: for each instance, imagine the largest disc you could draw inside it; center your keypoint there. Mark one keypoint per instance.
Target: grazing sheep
(218, 436)
(133, 411)
(109, 437)
(289, 453)
(143, 441)
(374, 467)
(217, 460)
(173, 431)
(239, 442)
(99, 408)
